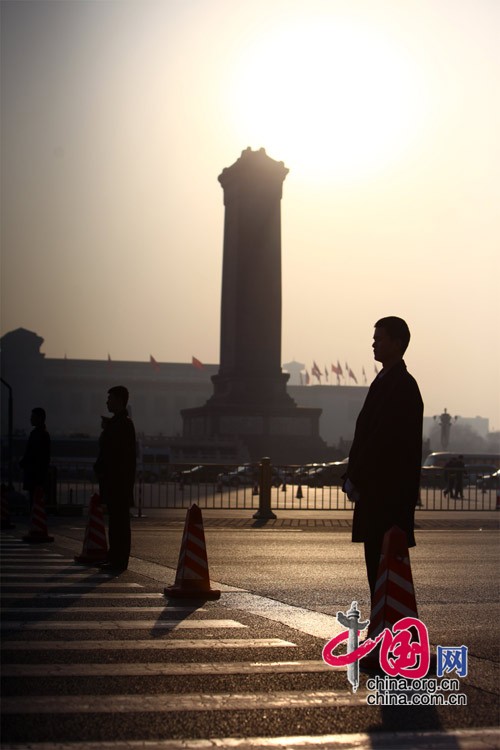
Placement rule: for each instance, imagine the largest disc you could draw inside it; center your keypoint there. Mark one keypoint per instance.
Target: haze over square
(117, 118)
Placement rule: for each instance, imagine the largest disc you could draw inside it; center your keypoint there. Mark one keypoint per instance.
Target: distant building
(73, 392)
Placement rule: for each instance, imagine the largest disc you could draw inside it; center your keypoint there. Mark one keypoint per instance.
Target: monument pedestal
(289, 435)
(250, 401)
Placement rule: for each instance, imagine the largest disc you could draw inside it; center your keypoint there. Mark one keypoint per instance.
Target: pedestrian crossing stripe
(160, 669)
(72, 585)
(121, 625)
(175, 702)
(459, 739)
(87, 610)
(62, 574)
(136, 645)
(57, 595)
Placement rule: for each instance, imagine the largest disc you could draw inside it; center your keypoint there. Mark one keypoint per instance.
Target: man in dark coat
(383, 475)
(115, 470)
(36, 460)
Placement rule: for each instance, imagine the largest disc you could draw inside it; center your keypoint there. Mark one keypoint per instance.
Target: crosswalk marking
(160, 669)
(173, 702)
(87, 610)
(135, 645)
(57, 595)
(458, 739)
(71, 584)
(121, 625)
(66, 574)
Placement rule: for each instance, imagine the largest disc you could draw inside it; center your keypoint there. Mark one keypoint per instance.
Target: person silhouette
(115, 470)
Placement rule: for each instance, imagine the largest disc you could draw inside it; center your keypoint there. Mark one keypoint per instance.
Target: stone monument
(250, 401)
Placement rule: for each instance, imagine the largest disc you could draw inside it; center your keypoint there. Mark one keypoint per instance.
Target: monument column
(250, 403)
(250, 337)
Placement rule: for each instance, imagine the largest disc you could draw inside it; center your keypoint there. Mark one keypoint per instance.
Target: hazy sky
(119, 115)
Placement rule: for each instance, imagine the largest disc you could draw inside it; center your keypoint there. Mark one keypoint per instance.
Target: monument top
(253, 165)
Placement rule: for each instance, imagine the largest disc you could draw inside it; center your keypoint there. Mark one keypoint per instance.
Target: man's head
(38, 417)
(390, 340)
(117, 399)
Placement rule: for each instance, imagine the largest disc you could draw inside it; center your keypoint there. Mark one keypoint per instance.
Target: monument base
(287, 435)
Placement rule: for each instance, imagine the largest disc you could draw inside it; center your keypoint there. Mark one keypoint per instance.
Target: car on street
(202, 474)
(327, 475)
(489, 481)
(249, 475)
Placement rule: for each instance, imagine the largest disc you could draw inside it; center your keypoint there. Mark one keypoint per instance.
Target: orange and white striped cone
(95, 547)
(192, 580)
(394, 595)
(6, 522)
(38, 532)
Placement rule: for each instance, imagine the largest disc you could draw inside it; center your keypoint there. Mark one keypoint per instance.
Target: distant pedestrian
(36, 460)
(459, 478)
(383, 473)
(115, 470)
(450, 478)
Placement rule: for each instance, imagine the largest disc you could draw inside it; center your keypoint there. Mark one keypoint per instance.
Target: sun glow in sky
(339, 100)
(118, 116)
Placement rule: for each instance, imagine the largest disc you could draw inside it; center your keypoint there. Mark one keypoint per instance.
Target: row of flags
(337, 370)
(304, 380)
(155, 365)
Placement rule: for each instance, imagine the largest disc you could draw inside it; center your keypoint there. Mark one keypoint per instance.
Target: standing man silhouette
(115, 470)
(36, 460)
(383, 474)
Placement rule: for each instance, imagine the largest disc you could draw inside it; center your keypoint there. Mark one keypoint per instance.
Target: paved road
(109, 661)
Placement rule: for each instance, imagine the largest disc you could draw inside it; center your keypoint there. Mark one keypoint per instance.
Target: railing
(286, 489)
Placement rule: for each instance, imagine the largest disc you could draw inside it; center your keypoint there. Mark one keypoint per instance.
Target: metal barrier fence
(233, 490)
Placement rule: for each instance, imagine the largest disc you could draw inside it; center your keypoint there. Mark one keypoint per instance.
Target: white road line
(135, 645)
(486, 738)
(121, 625)
(70, 585)
(62, 574)
(56, 595)
(70, 609)
(156, 669)
(170, 702)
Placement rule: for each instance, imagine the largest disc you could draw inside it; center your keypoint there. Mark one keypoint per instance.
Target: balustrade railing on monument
(168, 486)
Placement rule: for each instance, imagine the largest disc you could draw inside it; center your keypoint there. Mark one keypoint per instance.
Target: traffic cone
(38, 528)
(192, 580)
(95, 548)
(394, 595)
(6, 522)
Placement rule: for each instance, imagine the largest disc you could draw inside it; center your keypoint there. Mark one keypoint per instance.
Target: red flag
(307, 378)
(352, 376)
(154, 363)
(326, 372)
(364, 376)
(339, 369)
(316, 371)
(196, 363)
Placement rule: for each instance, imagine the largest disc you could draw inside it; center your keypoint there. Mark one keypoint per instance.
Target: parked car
(249, 475)
(328, 475)
(199, 474)
(475, 474)
(489, 481)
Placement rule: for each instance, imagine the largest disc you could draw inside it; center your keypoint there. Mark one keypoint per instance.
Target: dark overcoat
(115, 465)
(36, 460)
(386, 456)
